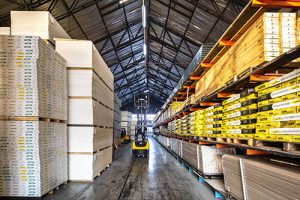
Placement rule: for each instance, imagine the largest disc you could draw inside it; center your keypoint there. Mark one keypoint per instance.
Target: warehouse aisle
(160, 177)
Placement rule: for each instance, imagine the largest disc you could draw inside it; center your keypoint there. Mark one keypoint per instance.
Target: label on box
(285, 91)
(292, 131)
(287, 117)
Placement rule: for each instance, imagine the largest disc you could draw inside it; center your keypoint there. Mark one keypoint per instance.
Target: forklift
(125, 139)
(140, 144)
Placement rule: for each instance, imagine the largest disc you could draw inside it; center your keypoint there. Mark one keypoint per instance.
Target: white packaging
(4, 30)
(89, 112)
(36, 23)
(88, 139)
(85, 167)
(83, 54)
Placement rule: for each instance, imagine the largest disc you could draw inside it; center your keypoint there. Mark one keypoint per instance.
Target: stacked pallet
(184, 125)
(206, 159)
(278, 109)
(261, 178)
(239, 118)
(91, 114)
(213, 119)
(117, 120)
(196, 122)
(267, 38)
(126, 118)
(178, 127)
(33, 99)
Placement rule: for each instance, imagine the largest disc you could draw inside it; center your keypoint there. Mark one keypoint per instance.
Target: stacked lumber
(33, 94)
(239, 118)
(213, 120)
(178, 127)
(196, 122)
(117, 120)
(278, 109)
(91, 109)
(271, 35)
(126, 118)
(261, 178)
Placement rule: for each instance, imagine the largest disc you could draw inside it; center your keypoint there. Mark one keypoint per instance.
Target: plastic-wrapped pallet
(132, 129)
(278, 109)
(91, 109)
(33, 87)
(33, 79)
(37, 23)
(33, 159)
(213, 120)
(210, 159)
(239, 119)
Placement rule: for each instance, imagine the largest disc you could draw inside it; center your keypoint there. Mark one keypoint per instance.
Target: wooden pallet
(57, 188)
(284, 146)
(31, 118)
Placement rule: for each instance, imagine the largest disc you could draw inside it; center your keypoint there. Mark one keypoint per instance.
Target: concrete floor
(159, 177)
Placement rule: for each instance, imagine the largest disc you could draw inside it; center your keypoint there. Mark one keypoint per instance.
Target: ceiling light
(122, 1)
(144, 16)
(145, 49)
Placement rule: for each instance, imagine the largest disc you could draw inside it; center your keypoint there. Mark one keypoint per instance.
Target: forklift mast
(141, 103)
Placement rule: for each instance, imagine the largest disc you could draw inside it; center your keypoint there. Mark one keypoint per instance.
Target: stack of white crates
(132, 128)
(126, 118)
(117, 121)
(91, 109)
(33, 132)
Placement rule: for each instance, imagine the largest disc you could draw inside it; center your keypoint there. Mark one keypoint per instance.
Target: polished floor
(158, 177)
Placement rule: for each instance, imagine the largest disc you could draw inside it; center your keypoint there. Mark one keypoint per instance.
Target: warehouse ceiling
(176, 29)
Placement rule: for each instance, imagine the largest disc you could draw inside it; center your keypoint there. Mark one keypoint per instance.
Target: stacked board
(261, 178)
(33, 94)
(278, 116)
(239, 119)
(271, 35)
(126, 118)
(213, 120)
(37, 23)
(91, 109)
(117, 120)
(196, 122)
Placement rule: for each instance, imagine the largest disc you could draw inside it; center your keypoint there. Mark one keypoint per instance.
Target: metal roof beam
(131, 65)
(164, 44)
(125, 44)
(179, 65)
(156, 22)
(125, 75)
(134, 81)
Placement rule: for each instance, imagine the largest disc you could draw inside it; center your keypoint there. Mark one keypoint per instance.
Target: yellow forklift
(125, 139)
(140, 144)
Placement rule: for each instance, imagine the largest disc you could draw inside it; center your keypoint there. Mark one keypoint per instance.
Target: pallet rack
(248, 79)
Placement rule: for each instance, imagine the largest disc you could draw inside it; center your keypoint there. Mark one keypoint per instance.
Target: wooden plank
(224, 95)
(226, 43)
(276, 3)
(263, 78)
(195, 78)
(207, 104)
(189, 86)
